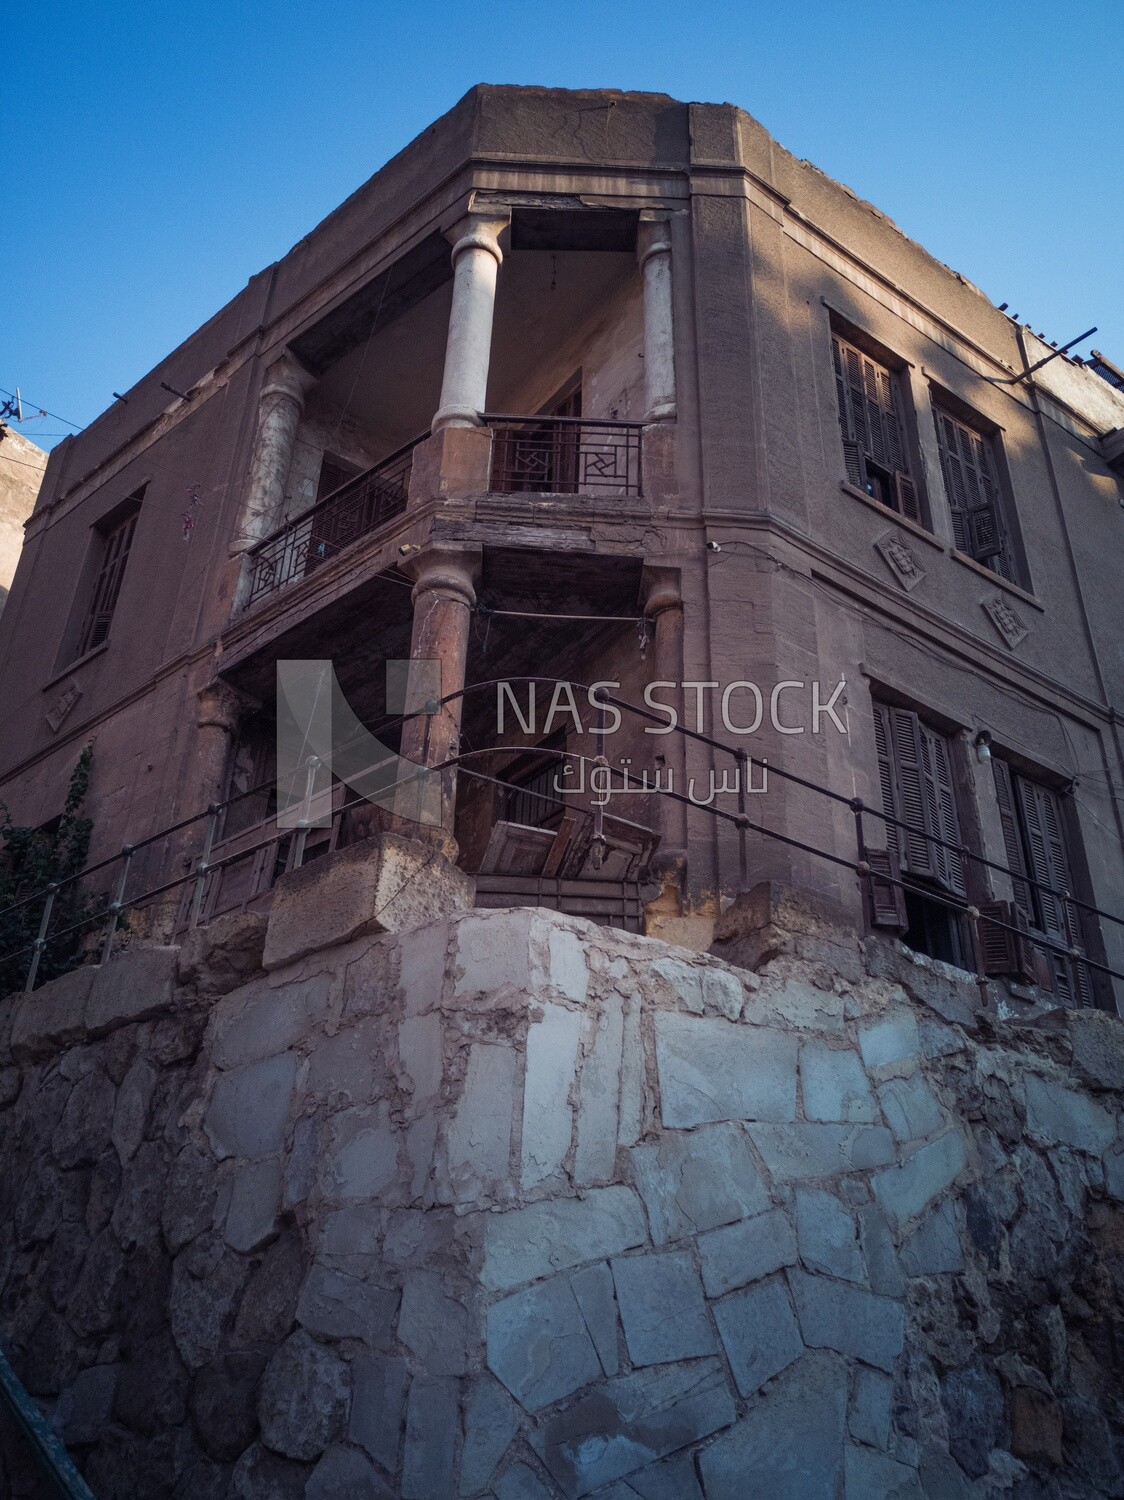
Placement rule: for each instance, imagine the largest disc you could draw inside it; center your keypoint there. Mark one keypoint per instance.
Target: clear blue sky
(158, 155)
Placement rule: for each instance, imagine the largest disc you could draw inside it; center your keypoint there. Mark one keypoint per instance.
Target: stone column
(653, 250)
(280, 407)
(221, 711)
(444, 595)
(663, 606)
(468, 351)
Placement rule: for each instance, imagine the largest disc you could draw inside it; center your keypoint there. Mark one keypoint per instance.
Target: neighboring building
(21, 473)
(743, 420)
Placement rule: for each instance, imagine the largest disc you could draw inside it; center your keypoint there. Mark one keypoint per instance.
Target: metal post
(204, 864)
(41, 940)
(743, 771)
(312, 765)
(117, 904)
(866, 889)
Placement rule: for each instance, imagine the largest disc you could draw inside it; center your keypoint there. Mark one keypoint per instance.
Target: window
(1033, 821)
(872, 422)
(968, 463)
(915, 770)
(115, 542)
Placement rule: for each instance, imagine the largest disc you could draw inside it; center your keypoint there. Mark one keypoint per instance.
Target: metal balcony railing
(565, 456)
(358, 507)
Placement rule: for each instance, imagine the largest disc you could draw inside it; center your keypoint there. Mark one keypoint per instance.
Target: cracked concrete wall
(513, 1206)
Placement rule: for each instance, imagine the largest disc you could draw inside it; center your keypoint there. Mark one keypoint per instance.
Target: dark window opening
(971, 478)
(1034, 837)
(542, 459)
(116, 541)
(334, 474)
(872, 424)
(916, 780)
(531, 797)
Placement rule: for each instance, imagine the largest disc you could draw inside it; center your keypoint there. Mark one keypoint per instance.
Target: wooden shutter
(1012, 836)
(887, 898)
(913, 798)
(871, 423)
(948, 864)
(972, 484)
(115, 554)
(1006, 954)
(909, 501)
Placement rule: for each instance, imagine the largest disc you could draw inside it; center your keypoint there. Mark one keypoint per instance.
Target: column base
(456, 416)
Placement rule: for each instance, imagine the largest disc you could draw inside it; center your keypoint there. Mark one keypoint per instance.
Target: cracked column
(476, 261)
(663, 606)
(653, 250)
(280, 408)
(444, 596)
(221, 711)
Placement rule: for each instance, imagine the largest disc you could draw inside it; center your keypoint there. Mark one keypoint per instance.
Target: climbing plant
(32, 859)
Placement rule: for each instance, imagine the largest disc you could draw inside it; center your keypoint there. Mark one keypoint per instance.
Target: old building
(609, 388)
(21, 472)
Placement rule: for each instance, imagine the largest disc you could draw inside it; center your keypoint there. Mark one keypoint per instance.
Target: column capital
(653, 235)
(480, 229)
(223, 706)
(286, 376)
(451, 572)
(661, 591)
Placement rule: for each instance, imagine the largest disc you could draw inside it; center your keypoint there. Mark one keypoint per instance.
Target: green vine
(32, 859)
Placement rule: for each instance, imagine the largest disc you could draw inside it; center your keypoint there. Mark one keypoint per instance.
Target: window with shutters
(1034, 836)
(113, 542)
(873, 427)
(915, 766)
(969, 463)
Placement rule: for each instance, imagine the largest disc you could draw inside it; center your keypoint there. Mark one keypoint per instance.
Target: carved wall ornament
(63, 704)
(900, 560)
(1003, 615)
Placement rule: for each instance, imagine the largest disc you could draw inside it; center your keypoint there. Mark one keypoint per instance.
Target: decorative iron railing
(358, 507)
(565, 456)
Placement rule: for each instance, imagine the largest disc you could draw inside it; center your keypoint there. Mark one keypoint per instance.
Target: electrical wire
(78, 427)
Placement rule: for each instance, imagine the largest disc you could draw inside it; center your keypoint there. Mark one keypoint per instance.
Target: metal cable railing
(860, 864)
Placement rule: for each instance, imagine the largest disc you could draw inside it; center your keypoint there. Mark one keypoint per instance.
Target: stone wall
(513, 1206)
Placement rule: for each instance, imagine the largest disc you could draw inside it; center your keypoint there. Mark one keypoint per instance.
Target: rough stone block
(674, 1479)
(1059, 1115)
(877, 1476)
(362, 1155)
(85, 1409)
(834, 1085)
(139, 985)
(910, 1107)
(905, 1191)
(539, 1344)
(346, 1474)
(552, 1057)
(872, 1395)
(222, 954)
(189, 1202)
(1037, 1427)
(258, 1021)
(974, 1405)
(827, 1235)
(478, 1139)
(249, 1107)
(569, 973)
(384, 884)
(207, 1280)
(338, 1306)
(852, 1321)
(934, 1246)
(795, 1003)
(1097, 1039)
(542, 1238)
(223, 1403)
(255, 1202)
(629, 1423)
(737, 1254)
(598, 1095)
(802, 1150)
(593, 1289)
(632, 1075)
(759, 1333)
(421, 974)
(490, 1423)
(431, 1439)
(890, 1041)
(87, 1121)
(378, 1406)
(433, 1325)
(1114, 1174)
(269, 1307)
(520, 1482)
(789, 1445)
(662, 1308)
(419, 1048)
(697, 1181)
(346, 1068)
(134, 1100)
(495, 950)
(882, 1268)
(701, 990)
(711, 1070)
(303, 1398)
(51, 1017)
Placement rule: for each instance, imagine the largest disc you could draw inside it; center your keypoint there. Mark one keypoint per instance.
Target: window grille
(871, 420)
